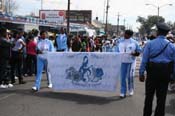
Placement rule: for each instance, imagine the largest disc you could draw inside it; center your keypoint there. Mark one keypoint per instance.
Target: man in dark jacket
(5, 46)
(76, 45)
(158, 60)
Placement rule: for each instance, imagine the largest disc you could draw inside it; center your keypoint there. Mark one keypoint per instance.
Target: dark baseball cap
(163, 27)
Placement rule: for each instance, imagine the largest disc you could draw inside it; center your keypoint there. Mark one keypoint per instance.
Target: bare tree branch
(11, 6)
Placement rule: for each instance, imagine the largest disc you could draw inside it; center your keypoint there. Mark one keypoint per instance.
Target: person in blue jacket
(61, 41)
(44, 45)
(158, 61)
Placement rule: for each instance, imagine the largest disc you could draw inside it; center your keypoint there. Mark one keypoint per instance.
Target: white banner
(84, 71)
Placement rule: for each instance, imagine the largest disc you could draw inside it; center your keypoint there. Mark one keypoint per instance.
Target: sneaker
(25, 75)
(170, 88)
(34, 89)
(131, 93)
(122, 95)
(50, 86)
(4, 86)
(16, 77)
(10, 85)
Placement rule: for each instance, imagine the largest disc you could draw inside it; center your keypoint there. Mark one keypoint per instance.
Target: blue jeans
(126, 75)
(41, 63)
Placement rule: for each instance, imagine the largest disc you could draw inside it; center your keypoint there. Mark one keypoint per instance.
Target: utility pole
(124, 21)
(107, 9)
(158, 11)
(118, 21)
(68, 16)
(41, 4)
(104, 11)
(9, 5)
(158, 8)
(127, 27)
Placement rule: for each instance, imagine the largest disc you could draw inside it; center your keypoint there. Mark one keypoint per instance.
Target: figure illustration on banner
(86, 74)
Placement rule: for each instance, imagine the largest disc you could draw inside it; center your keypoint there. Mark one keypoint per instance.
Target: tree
(0, 4)
(172, 26)
(10, 6)
(148, 23)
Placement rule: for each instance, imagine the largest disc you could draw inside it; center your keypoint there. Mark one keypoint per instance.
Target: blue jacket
(61, 42)
(45, 45)
(131, 47)
(154, 47)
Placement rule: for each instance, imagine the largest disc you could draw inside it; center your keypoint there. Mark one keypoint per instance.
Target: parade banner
(84, 71)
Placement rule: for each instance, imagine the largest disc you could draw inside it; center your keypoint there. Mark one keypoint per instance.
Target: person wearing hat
(108, 46)
(158, 58)
(130, 49)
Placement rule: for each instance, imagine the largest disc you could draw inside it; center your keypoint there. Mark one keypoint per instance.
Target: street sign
(80, 16)
(53, 16)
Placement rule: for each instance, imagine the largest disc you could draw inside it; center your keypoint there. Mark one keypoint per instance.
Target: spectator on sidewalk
(5, 54)
(31, 55)
(61, 41)
(76, 45)
(17, 58)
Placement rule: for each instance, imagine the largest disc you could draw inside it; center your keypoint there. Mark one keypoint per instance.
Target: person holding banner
(61, 41)
(44, 45)
(130, 49)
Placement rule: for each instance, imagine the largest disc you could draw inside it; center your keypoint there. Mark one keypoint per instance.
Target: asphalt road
(21, 101)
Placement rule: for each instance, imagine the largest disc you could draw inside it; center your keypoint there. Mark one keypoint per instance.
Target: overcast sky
(128, 9)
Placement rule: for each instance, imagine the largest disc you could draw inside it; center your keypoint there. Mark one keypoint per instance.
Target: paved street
(20, 101)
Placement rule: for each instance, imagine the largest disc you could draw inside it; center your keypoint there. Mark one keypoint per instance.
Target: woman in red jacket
(31, 55)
